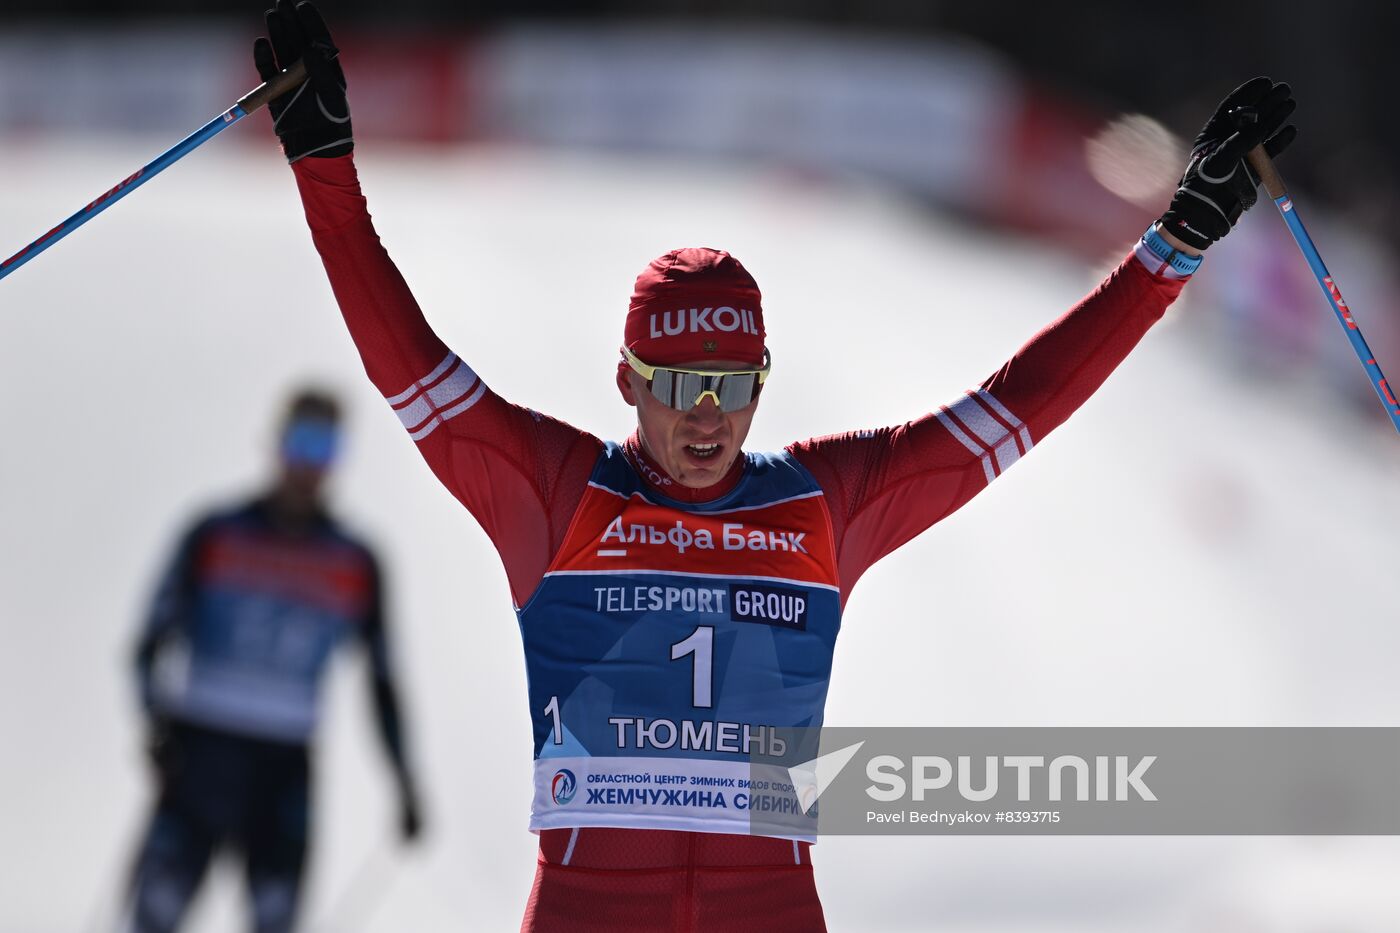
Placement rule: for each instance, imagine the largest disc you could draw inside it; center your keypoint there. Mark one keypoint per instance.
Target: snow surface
(1192, 548)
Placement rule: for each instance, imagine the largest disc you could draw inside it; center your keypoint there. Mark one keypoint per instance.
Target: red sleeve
(884, 487)
(519, 473)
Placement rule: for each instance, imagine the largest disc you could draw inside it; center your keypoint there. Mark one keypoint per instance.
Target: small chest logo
(563, 787)
(771, 605)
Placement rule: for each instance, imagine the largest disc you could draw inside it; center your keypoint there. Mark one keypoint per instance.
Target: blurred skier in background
(230, 664)
(679, 597)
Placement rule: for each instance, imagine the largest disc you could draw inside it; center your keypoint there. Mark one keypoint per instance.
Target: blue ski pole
(246, 105)
(1273, 183)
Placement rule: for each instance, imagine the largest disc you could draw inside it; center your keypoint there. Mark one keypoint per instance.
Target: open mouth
(702, 451)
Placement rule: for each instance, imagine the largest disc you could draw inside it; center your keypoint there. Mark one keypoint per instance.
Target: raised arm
(519, 473)
(884, 487)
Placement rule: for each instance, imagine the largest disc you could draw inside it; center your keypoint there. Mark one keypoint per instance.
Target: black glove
(162, 749)
(410, 812)
(1219, 185)
(314, 119)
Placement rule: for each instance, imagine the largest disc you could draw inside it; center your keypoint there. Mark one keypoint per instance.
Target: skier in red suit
(677, 595)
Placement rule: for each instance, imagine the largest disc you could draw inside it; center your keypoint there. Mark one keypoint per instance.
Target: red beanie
(695, 304)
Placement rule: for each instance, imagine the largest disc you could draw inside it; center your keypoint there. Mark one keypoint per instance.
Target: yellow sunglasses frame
(648, 372)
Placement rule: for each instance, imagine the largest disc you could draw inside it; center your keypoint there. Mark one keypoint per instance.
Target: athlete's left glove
(1219, 185)
(314, 119)
(162, 748)
(410, 810)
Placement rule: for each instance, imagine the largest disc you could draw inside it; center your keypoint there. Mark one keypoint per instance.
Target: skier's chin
(703, 465)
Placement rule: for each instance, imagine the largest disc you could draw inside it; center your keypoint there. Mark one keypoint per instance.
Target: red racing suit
(523, 476)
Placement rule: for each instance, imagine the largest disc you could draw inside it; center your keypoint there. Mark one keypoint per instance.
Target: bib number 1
(552, 711)
(701, 644)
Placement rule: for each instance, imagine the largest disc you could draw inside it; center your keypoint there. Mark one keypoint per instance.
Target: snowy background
(1194, 547)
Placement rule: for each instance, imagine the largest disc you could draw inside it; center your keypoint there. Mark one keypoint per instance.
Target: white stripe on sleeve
(989, 430)
(450, 413)
(1007, 453)
(417, 387)
(450, 389)
(1021, 430)
(992, 440)
(969, 443)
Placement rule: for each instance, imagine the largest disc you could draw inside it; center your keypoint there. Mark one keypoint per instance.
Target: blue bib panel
(667, 642)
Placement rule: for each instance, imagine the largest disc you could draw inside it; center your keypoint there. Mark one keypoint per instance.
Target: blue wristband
(1179, 261)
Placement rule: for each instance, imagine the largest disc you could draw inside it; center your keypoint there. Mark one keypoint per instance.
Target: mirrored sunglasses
(683, 389)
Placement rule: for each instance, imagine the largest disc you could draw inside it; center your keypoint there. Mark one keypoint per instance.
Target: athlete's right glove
(410, 809)
(410, 816)
(162, 749)
(1219, 185)
(314, 119)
